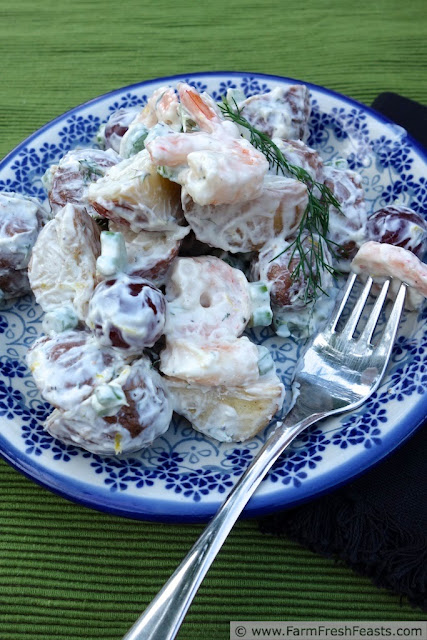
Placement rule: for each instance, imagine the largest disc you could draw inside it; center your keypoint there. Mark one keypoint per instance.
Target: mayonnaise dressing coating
(293, 315)
(398, 225)
(69, 180)
(115, 128)
(21, 219)
(127, 312)
(283, 112)
(181, 154)
(67, 367)
(381, 260)
(299, 154)
(248, 226)
(62, 269)
(133, 140)
(211, 364)
(347, 226)
(150, 253)
(229, 413)
(134, 194)
(133, 425)
(207, 300)
(59, 320)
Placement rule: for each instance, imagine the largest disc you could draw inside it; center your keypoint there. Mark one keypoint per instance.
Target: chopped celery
(59, 320)
(262, 314)
(134, 140)
(337, 163)
(265, 361)
(113, 258)
(107, 399)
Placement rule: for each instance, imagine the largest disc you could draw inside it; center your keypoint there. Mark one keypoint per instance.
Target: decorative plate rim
(177, 510)
(169, 511)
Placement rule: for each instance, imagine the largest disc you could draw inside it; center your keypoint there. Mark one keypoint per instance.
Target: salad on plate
(187, 223)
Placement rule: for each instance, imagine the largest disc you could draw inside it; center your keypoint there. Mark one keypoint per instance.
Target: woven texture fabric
(66, 572)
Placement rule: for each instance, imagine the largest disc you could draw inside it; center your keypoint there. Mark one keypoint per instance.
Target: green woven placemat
(66, 572)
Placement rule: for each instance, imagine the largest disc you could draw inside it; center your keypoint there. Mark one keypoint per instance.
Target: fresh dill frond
(89, 170)
(314, 223)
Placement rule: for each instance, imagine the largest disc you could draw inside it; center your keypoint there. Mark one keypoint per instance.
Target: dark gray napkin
(377, 524)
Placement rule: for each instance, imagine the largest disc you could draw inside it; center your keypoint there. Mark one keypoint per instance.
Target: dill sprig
(311, 236)
(90, 170)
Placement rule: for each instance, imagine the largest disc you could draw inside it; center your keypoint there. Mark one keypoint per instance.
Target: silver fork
(337, 373)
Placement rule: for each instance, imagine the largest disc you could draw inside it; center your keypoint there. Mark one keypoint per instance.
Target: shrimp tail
(204, 115)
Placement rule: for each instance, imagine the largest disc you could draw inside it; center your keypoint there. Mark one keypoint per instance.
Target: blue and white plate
(184, 476)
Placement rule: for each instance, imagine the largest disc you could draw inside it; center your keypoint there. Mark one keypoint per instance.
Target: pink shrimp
(205, 113)
(162, 106)
(208, 307)
(206, 299)
(381, 260)
(221, 166)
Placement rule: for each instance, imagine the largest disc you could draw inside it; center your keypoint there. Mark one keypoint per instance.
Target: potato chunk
(134, 194)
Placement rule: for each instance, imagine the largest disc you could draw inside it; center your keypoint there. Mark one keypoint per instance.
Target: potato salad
(187, 222)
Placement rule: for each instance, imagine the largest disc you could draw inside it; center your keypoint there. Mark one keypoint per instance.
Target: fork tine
(351, 323)
(387, 340)
(337, 313)
(371, 323)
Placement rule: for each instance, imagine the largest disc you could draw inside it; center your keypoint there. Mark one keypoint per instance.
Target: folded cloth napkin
(377, 524)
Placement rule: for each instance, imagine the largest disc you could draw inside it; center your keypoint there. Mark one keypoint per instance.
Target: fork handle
(164, 615)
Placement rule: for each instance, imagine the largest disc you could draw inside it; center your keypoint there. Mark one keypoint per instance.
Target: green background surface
(66, 572)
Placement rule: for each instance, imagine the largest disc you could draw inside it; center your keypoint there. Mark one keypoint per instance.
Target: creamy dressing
(133, 140)
(142, 412)
(68, 181)
(306, 321)
(67, 367)
(347, 227)
(150, 254)
(293, 315)
(398, 225)
(249, 225)
(134, 194)
(111, 133)
(127, 312)
(62, 270)
(21, 219)
(280, 113)
(297, 153)
(59, 320)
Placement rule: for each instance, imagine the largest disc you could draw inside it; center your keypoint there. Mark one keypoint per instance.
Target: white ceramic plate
(184, 476)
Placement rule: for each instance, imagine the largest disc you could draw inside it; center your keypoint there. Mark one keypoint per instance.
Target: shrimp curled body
(218, 165)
